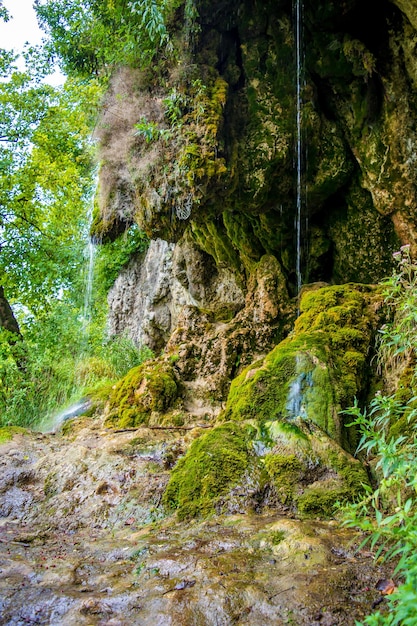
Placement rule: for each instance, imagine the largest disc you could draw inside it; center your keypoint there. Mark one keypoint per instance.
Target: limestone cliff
(200, 153)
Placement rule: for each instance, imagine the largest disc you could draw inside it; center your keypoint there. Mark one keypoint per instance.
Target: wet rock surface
(84, 540)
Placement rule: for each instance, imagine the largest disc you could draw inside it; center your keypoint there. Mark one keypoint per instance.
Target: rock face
(150, 294)
(216, 191)
(218, 180)
(280, 440)
(224, 173)
(141, 301)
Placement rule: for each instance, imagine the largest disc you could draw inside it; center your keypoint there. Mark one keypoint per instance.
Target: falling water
(88, 292)
(299, 59)
(89, 253)
(52, 422)
(298, 395)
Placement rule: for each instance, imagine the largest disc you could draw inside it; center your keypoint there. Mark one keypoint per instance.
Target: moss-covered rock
(284, 471)
(146, 389)
(240, 467)
(214, 463)
(309, 471)
(8, 432)
(222, 157)
(316, 371)
(281, 432)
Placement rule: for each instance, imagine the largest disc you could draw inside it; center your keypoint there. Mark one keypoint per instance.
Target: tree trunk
(15, 339)
(7, 318)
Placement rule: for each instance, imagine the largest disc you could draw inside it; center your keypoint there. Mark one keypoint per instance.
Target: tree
(89, 36)
(46, 182)
(7, 318)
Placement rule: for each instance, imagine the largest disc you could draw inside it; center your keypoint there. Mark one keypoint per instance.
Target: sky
(22, 28)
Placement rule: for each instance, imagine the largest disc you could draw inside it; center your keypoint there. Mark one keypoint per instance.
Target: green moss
(312, 472)
(276, 537)
(316, 371)
(213, 464)
(405, 395)
(213, 239)
(145, 389)
(7, 432)
(284, 472)
(320, 501)
(350, 470)
(240, 232)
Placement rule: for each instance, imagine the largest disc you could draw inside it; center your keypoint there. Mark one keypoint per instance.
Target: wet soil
(84, 541)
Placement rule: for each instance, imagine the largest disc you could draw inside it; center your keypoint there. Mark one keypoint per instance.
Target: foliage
(58, 370)
(398, 336)
(150, 131)
(91, 36)
(46, 172)
(113, 256)
(4, 14)
(389, 514)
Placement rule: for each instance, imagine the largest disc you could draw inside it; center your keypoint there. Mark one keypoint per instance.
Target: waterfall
(52, 421)
(88, 289)
(297, 395)
(299, 143)
(89, 255)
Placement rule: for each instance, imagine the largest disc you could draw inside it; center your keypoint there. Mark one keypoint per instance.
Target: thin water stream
(298, 138)
(53, 421)
(295, 405)
(88, 294)
(299, 143)
(90, 253)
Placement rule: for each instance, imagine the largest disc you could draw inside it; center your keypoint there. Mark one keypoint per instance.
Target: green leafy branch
(388, 515)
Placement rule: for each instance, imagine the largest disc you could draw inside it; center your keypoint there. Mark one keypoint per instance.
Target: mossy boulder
(147, 389)
(241, 467)
(308, 470)
(318, 369)
(214, 463)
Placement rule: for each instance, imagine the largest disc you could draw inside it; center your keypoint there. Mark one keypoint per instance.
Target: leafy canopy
(89, 36)
(47, 181)
(46, 173)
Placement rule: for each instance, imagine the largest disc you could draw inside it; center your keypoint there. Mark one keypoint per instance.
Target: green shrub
(388, 515)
